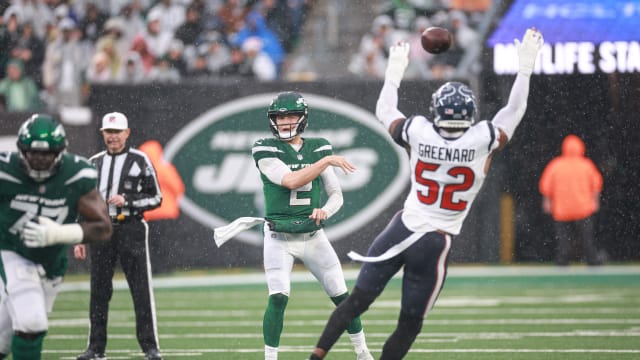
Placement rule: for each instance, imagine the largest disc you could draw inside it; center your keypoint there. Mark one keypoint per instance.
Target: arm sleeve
(508, 118)
(334, 192)
(387, 105)
(150, 196)
(274, 169)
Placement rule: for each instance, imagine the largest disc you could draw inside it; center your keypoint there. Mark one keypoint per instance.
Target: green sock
(27, 349)
(355, 326)
(274, 319)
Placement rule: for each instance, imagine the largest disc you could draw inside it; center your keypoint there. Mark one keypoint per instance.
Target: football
(436, 40)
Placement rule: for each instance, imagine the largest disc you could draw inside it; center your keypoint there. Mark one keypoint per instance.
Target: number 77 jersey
(446, 173)
(23, 199)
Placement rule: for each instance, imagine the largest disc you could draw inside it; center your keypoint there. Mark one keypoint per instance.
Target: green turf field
(483, 313)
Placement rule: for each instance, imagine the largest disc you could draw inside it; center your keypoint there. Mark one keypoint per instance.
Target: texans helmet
(286, 103)
(41, 133)
(453, 106)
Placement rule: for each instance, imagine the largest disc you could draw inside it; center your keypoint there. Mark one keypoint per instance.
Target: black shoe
(152, 354)
(91, 355)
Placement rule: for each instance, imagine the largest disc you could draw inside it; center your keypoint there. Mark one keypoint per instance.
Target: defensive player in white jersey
(294, 171)
(449, 155)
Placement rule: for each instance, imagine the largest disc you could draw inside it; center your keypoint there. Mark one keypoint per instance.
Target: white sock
(270, 353)
(358, 341)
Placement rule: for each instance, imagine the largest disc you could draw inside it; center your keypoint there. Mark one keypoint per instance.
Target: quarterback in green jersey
(294, 172)
(43, 192)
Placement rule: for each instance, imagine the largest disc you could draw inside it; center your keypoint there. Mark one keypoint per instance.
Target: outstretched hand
(397, 62)
(528, 50)
(341, 162)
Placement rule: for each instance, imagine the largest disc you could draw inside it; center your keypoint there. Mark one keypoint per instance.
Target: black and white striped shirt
(130, 174)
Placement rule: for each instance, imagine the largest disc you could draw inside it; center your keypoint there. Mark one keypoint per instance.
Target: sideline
(190, 279)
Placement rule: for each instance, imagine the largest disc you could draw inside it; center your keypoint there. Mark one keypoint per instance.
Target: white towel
(222, 234)
(391, 252)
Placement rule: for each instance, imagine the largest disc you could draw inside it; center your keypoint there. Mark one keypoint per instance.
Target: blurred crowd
(406, 20)
(51, 51)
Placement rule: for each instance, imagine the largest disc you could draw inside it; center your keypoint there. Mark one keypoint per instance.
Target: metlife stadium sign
(581, 37)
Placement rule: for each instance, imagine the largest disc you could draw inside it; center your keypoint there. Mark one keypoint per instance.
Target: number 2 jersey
(446, 174)
(289, 210)
(23, 199)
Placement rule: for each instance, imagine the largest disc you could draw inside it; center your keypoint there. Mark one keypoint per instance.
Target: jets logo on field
(212, 153)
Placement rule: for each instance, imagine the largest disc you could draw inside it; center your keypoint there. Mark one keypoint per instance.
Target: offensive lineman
(291, 168)
(43, 191)
(450, 157)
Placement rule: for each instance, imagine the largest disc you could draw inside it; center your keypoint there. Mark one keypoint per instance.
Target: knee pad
(278, 282)
(31, 323)
(333, 281)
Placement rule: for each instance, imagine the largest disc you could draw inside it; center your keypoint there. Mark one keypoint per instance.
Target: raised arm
(387, 106)
(508, 118)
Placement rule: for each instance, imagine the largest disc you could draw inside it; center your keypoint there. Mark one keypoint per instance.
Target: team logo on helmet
(286, 103)
(41, 133)
(453, 106)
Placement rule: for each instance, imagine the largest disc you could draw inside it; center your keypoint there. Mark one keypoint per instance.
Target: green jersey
(289, 210)
(23, 199)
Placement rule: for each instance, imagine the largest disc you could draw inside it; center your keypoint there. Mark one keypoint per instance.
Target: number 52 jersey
(446, 174)
(23, 199)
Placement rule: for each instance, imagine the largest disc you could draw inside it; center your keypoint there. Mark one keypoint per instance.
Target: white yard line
(189, 280)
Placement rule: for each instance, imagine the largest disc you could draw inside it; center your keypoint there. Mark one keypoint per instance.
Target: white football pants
(313, 249)
(27, 298)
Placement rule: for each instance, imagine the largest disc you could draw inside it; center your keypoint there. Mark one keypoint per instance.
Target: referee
(128, 183)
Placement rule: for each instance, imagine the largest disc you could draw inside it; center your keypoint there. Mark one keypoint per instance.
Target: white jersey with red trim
(446, 174)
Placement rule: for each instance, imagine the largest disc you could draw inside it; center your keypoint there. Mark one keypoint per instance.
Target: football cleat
(152, 354)
(91, 355)
(364, 355)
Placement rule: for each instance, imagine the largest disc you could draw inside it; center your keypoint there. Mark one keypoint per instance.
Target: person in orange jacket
(171, 184)
(571, 185)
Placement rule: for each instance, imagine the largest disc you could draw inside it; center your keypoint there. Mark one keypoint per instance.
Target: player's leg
(25, 302)
(586, 230)
(372, 279)
(6, 331)
(278, 263)
(563, 242)
(322, 261)
(103, 262)
(424, 273)
(133, 254)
